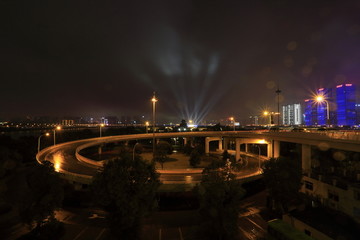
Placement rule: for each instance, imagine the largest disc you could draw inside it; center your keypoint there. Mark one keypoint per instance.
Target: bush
(50, 230)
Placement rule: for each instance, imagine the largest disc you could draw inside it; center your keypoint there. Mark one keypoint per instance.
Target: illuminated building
(292, 114)
(112, 120)
(346, 104)
(310, 113)
(357, 109)
(67, 122)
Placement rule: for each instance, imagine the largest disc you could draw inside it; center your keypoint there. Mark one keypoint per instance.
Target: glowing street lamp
(320, 99)
(46, 134)
(232, 119)
(154, 100)
(266, 113)
(101, 126)
(57, 128)
(147, 126)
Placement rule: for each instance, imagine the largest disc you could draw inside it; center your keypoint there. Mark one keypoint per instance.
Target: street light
(232, 119)
(46, 134)
(266, 113)
(147, 126)
(154, 100)
(100, 146)
(57, 128)
(320, 99)
(101, 126)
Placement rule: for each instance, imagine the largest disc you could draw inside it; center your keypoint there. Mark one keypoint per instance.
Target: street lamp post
(46, 134)
(147, 126)
(266, 113)
(278, 91)
(100, 146)
(321, 99)
(101, 126)
(232, 119)
(57, 128)
(154, 100)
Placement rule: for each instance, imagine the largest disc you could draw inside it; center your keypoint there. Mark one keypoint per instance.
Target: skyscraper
(292, 114)
(310, 113)
(346, 101)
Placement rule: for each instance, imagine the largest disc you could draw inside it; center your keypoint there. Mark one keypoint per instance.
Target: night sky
(205, 59)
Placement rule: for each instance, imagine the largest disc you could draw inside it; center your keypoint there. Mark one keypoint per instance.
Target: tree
(183, 125)
(126, 189)
(188, 148)
(195, 158)
(219, 195)
(163, 149)
(43, 196)
(225, 155)
(283, 180)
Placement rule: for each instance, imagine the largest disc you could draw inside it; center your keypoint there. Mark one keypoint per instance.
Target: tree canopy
(163, 149)
(219, 196)
(43, 196)
(283, 180)
(126, 189)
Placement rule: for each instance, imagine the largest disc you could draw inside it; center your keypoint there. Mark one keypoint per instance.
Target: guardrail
(81, 158)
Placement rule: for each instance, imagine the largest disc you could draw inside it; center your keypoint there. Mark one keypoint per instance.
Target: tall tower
(310, 113)
(346, 101)
(278, 91)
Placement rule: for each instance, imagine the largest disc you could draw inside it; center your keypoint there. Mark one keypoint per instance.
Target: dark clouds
(207, 59)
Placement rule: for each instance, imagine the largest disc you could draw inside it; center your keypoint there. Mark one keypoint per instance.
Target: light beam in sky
(188, 75)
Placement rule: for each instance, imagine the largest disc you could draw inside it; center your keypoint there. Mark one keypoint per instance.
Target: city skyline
(204, 59)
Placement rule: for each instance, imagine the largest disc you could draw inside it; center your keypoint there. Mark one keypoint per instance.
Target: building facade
(346, 104)
(310, 113)
(292, 114)
(342, 109)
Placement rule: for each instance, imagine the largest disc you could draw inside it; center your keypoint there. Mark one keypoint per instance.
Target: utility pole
(278, 91)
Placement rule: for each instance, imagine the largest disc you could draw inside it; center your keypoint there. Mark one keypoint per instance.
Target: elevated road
(74, 167)
(68, 161)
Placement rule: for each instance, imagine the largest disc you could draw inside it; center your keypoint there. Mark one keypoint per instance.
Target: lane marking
(100, 234)
(80, 233)
(181, 237)
(257, 225)
(247, 234)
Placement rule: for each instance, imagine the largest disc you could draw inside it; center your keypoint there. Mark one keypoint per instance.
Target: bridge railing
(344, 135)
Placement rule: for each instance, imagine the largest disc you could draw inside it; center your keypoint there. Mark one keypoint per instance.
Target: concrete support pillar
(226, 143)
(269, 150)
(306, 157)
(246, 147)
(276, 146)
(207, 146)
(237, 148)
(220, 144)
(185, 140)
